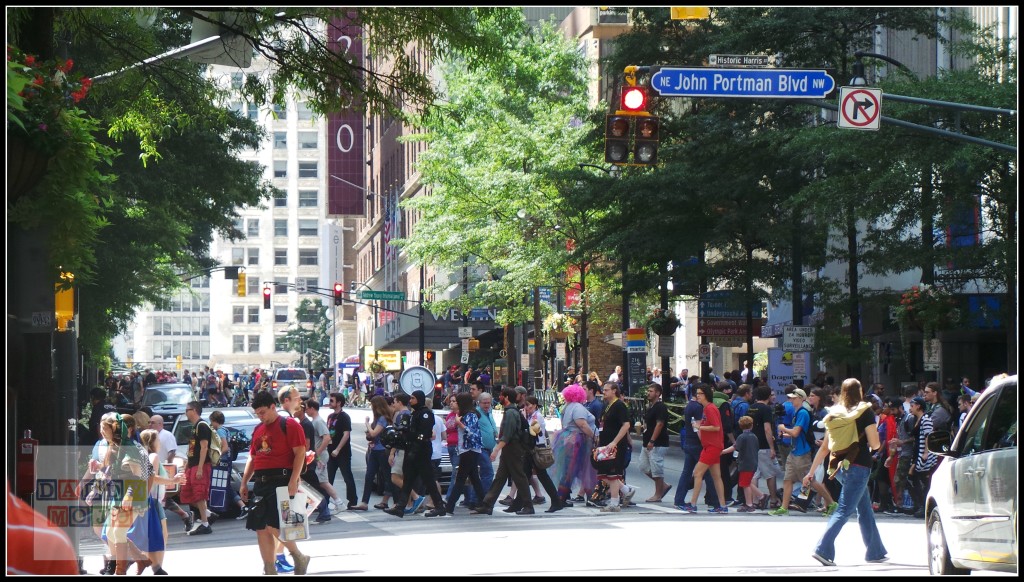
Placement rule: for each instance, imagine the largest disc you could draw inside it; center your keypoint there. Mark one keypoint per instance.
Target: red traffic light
(634, 99)
(266, 298)
(339, 289)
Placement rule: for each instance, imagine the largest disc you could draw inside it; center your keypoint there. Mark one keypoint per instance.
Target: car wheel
(939, 562)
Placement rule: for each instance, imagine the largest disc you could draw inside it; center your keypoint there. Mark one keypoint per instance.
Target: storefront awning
(441, 332)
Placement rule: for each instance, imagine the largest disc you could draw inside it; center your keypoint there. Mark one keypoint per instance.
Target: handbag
(603, 459)
(543, 457)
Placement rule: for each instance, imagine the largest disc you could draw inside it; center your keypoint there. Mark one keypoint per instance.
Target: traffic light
(645, 140)
(616, 139)
(266, 297)
(339, 290)
(634, 99)
(241, 284)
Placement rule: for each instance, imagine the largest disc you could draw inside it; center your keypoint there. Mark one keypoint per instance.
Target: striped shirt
(921, 432)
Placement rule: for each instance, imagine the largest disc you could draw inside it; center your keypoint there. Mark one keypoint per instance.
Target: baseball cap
(919, 400)
(521, 390)
(798, 392)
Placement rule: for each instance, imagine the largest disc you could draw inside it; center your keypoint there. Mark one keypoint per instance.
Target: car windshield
(164, 395)
(291, 375)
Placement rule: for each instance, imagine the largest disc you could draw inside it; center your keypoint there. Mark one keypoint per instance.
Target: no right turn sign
(860, 108)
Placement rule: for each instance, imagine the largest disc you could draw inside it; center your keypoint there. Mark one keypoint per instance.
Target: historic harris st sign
(757, 83)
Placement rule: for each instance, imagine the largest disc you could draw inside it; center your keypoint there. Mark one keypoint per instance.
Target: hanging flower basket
(663, 322)
(559, 326)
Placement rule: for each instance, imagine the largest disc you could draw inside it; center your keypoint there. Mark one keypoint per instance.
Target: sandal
(381, 506)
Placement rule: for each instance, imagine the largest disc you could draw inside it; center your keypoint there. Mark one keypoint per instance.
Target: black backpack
(808, 432)
(728, 422)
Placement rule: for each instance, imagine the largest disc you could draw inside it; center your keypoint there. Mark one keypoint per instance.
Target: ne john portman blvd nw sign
(764, 83)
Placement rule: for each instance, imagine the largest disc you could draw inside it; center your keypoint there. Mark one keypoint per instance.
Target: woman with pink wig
(574, 443)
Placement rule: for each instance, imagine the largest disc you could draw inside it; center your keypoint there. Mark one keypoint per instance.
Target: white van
(297, 377)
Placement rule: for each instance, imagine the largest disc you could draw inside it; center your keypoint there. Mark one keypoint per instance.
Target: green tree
(308, 335)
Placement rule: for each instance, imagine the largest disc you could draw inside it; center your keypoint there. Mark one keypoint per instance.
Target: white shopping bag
(291, 511)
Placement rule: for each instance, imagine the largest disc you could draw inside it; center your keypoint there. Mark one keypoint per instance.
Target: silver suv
(297, 377)
(972, 502)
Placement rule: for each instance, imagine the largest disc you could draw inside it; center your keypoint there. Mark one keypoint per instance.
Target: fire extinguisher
(28, 449)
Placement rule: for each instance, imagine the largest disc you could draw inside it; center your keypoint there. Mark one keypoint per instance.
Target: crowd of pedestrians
(841, 451)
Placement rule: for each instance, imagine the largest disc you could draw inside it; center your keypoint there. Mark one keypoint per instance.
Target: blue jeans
(854, 496)
(486, 475)
(690, 457)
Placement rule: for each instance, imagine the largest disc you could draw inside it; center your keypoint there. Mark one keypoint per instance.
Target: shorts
(746, 478)
(195, 489)
(264, 512)
(766, 467)
(797, 467)
(652, 462)
(711, 455)
(396, 469)
(902, 472)
(321, 472)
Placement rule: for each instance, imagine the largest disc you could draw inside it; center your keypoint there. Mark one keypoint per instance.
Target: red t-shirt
(712, 438)
(271, 449)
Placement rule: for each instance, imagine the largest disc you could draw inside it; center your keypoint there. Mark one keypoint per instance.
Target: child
(746, 463)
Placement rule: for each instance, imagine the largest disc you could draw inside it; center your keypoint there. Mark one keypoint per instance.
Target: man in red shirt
(712, 439)
(276, 459)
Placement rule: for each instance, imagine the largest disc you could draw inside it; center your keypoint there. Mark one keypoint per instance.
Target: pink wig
(574, 393)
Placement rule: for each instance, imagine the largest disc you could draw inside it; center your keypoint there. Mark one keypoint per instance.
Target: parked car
(297, 377)
(168, 400)
(971, 507)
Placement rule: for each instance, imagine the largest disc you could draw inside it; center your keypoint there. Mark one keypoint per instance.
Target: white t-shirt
(440, 441)
(167, 444)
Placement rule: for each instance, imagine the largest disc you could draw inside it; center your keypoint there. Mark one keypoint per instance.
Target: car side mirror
(940, 442)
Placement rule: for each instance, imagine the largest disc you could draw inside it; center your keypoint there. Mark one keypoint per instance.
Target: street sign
(799, 365)
(725, 341)
(726, 326)
(465, 358)
(559, 350)
(465, 332)
(741, 60)
(757, 83)
(860, 108)
(465, 345)
(666, 346)
(382, 295)
(524, 361)
(300, 286)
(798, 338)
(704, 351)
(636, 341)
(932, 355)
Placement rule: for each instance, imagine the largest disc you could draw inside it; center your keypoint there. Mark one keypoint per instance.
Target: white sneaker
(628, 491)
(610, 508)
(337, 506)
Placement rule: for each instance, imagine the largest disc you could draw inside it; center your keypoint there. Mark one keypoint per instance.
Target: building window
(201, 282)
(237, 314)
(280, 314)
(281, 288)
(308, 140)
(254, 314)
(237, 256)
(253, 286)
(311, 284)
(308, 256)
(280, 227)
(254, 113)
(308, 227)
(308, 169)
(280, 112)
(308, 198)
(238, 224)
(253, 227)
(254, 343)
(280, 168)
(238, 344)
(280, 343)
(280, 140)
(303, 112)
(254, 256)
(280, 199)
(236, 80)
(280, 257)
